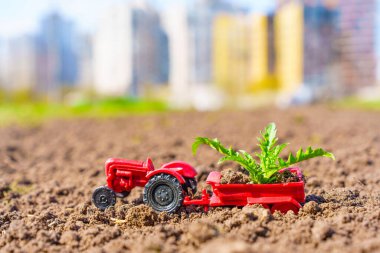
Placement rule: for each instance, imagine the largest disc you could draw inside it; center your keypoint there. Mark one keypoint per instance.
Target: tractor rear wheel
(163, 193)
(103, 197)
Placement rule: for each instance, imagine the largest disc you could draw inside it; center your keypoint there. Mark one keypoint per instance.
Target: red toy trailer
(170, 187)
(277, 197)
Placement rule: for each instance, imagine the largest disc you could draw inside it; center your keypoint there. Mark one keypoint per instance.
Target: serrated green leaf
(241, 157)
(302, 156)
(198, 141)
(279, 148)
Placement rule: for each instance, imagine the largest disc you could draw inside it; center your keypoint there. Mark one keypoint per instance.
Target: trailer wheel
(163, 192)
(285, 207)
(103, 197)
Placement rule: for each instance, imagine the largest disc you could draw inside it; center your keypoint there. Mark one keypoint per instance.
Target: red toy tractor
(164, 188)
(171, 186)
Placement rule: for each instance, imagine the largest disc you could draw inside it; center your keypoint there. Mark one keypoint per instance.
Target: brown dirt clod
(231, 176)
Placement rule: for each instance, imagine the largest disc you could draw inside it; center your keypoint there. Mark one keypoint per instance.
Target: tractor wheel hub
(163, 195)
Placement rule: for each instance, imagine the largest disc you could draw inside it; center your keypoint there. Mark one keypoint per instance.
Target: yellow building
(289, 46)
(241, 49)
(258, 48)
(240, 53)
(261, 77)
(230, 53)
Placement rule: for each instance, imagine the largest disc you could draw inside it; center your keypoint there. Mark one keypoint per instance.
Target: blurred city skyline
(204, 54)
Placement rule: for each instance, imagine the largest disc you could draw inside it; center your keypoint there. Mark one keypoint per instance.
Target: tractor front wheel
(163, 193)
(103, 197)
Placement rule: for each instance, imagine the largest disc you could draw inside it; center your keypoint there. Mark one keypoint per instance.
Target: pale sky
(23, 16)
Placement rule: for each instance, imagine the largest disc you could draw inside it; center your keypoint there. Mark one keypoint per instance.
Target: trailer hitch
(203, 201)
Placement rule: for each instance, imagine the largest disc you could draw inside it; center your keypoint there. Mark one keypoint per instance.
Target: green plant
(270, 163)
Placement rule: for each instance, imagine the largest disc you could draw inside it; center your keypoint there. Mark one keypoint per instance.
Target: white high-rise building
(130, 50)
(113, 52)
(22, 64)
(85, 63)
(175, 21)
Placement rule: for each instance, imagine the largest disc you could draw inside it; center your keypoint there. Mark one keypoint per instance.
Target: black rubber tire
(103, 197)
(163, 193)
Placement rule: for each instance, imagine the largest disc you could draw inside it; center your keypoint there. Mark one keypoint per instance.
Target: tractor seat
(149, 164)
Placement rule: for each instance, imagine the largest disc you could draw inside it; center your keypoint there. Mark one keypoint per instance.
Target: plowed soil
(48, 173)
